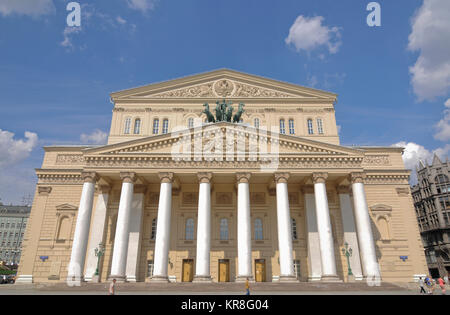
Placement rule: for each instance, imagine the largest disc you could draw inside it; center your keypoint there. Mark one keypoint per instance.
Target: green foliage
(5, 272)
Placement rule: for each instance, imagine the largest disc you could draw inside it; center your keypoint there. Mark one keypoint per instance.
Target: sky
(393, 80)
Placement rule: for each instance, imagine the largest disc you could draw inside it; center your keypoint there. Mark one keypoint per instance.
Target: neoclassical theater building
(179, 195)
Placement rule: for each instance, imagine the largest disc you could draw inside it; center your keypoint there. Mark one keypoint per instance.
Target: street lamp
(347, 252)
(99, 251)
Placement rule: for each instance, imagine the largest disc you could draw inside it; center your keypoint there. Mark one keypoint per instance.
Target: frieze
(67, 179)
(377, 160)
(69, 159)
(386, 179)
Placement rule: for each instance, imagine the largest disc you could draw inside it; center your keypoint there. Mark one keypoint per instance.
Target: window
(294, 229)
(319, 126)
(156, 126)
(441, 179)
(258, 230)
(127, 126)
(224, 229)
(297, 268)
(282, 127)
(291, 127)
(191, 123)
(256, 123)
(150, 266)
(165, 126)
(310, 127)
(190, 229)
(153, 233)
(137, 126)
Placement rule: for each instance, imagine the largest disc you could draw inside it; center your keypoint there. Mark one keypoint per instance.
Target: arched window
(165, 126)
(127, 126)
(310, 127)
(190, 229)
(282, 127)
(256, 123)
(224, 229)
(294, 229)
(258, 229)
(191, 123)
(137, 126)
(320, 126)
(153, 233)
(155, 126)
(291, 127)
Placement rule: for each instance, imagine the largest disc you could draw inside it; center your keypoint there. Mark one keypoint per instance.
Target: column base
(330, 278)
(202, 279)
(314, 278)
(159, 279)
(119, 279)
(131, 279)
(243, 279)
(288, 279)
(24, 279)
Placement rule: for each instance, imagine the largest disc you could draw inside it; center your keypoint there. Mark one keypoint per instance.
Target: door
(260, 270)
(224, 270)
(188, 270)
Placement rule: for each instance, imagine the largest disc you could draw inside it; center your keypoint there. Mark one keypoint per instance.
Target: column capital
(90, 177)
(343, 190)
(140, 189)
(44, 191)
(204, 177)
(128, 177)
(166, 177)
(319, 178)
(357, 177)
(281, 178)
(243, 178)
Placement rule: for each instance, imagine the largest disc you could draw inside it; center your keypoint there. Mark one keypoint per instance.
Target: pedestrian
(421, 285)
(112, 288)
(247, 287)
(428, 283)
(442, 285)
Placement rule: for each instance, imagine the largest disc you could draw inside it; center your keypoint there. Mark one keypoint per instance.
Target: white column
(244, 229)
(324, 228)
(80, 239)
(284, 229)
(119, 259)
(161, 260)
(350, 236)
(97, 232)
(314, 259)
(202, 270)
(371, 269)
(134, 243)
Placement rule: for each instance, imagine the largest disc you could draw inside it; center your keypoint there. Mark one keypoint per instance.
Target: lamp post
(99, 251)
(347, 252)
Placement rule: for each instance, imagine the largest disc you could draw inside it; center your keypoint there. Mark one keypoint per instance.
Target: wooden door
(188, 270)
(224, 270)
(260, 270)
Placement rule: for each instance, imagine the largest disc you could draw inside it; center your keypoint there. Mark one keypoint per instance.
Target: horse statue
(229, 113)
(219, 113)
(237, 117)
(208, 113)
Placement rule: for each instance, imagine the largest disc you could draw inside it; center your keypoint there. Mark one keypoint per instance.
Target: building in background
(432, 202)
(13, 222)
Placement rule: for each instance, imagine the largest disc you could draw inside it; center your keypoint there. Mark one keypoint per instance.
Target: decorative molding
(224, 198)
(89, 177)
(128, 177)
(204, 177)
(377, 160)
(166, 177)
(243, 178)
(44, 191)
(386, 179)
(58, 179)
(281, 178)
(258, 198)
(69, 159)
(319, 178)
(357, 177)
(403, 192)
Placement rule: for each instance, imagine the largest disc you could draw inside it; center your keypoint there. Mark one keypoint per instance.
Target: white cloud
(443, 126)
(120, 20)
(431, 37)
(142, 5)
(34, 8)
(96, 137)
(68, 33)
(309, 34)
(415, 152)
(14, 151)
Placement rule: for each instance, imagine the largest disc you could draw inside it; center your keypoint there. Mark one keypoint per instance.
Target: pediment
(227, 137)
(223, 84)
(66, 207)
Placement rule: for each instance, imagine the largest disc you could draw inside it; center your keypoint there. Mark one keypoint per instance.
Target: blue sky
(55, 81)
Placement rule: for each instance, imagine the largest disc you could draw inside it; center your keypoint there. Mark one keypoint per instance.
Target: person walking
(442, 285)
(112, 287)
(247, 287)
(421, 285)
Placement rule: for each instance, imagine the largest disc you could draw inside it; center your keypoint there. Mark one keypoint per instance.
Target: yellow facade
(50, 232)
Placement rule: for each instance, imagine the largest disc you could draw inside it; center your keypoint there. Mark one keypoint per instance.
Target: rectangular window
(310, 127)
(165, 126)
(282, 127)
(150, 266)
(291, 127)
(320, 126)
(297, 269)
(156, 126)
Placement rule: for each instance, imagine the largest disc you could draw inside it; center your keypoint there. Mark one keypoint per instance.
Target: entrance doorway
(260, 270)
(224, 270)
(188, 270)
